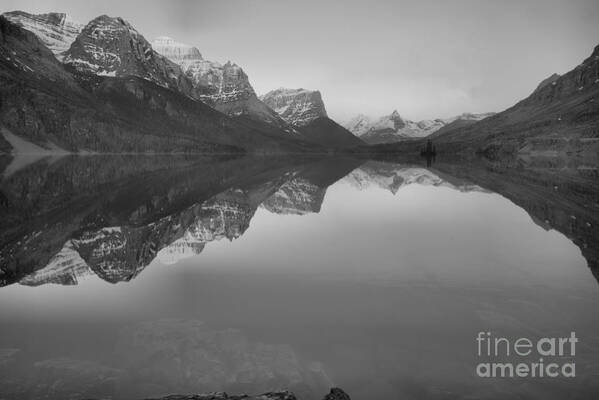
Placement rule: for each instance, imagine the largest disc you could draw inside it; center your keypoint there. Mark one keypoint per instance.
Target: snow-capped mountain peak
(299, 107)
(224, 87)
(215, 82)
(112, 46)
(393, 128)
(175, 51)
(358, 125)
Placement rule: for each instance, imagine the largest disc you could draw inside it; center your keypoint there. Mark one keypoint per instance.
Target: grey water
(130, 278)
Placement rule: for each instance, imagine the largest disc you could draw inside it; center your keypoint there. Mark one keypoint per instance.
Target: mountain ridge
(225, 87)
(393, 128)
(45, 101)
(560, 115)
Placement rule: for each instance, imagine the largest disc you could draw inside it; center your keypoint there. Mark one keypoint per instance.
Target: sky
(425, 58)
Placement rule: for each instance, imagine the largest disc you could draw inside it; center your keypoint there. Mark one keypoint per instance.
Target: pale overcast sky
(424, 58)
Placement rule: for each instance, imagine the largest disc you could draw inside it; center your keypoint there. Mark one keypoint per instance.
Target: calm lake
(139, 277)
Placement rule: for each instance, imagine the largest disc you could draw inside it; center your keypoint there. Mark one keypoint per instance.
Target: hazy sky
(424, 58)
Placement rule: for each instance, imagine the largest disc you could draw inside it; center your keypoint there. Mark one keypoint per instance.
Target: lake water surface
(142, 277)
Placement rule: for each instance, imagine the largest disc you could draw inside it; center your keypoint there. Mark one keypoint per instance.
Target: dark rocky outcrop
(334, 394)
(337, 394)
(284, 395)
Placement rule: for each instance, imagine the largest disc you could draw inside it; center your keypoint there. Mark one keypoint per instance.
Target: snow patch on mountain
(56, 30)
(65, 268)
(393, 177)
(175, 51)
(112, 47)
(216, 83)
(225, 87)
(299, 107)
(393, 128)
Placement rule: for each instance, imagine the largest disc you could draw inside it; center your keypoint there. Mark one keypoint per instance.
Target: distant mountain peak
(394, 128)
(298, 107)
(175, 51)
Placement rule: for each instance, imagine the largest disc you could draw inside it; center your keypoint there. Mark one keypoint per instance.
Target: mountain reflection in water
(355, 273)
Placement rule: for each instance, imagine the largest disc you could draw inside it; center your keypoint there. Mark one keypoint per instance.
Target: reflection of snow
(66, 268)
(297, 196)
(392, 177)
(180, 249)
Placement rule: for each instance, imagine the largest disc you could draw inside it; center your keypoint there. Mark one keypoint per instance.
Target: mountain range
(102, 87)
(393, 128)
(560, 117)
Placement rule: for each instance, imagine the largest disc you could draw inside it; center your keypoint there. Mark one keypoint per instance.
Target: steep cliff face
(56, 30)
(304, 109)
(225, 87)
(299, 107)
(214, 83)
(112, 47)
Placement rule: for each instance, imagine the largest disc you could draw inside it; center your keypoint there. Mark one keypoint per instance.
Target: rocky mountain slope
(57, 106)
(112, 47)
(224, 87)
(299, 107)
(96, 113)
(393, 128)
(561, 115)
(56, 30)
(304, 109)
(326, 132)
